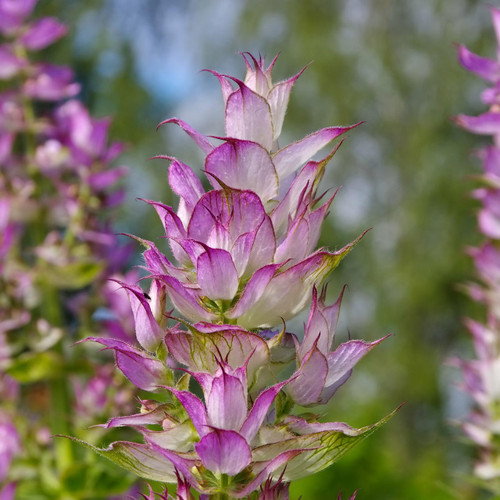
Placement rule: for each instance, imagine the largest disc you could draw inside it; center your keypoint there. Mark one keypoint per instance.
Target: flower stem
(223, 482)
(59, 392)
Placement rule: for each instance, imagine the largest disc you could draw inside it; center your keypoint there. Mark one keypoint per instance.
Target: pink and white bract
(243, 261)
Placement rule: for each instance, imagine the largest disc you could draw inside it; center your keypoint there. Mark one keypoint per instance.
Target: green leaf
(72, 276)
(322, 449)
(183, 383)
(137, 458)
(35, 366)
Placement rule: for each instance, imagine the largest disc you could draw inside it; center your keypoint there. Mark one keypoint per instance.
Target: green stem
(220, 496)
(60, 404)
(224, 483)
(29, 119)
(59, 390)
(60, 409)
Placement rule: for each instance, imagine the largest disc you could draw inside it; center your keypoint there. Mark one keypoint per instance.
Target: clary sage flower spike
(226, 375)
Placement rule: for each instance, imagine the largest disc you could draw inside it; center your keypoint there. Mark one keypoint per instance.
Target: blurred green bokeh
(404, 173)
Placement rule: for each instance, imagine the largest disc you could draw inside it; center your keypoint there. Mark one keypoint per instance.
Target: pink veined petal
(203, 143)
(278, 100)
(224, 452)
(185, 183)
(155, 416)
(483, 67)
(241, 251)
(186, 300)
(142, 370)
(43, 33)
(221, 217)
(253, 290)
(248, 117)
(288, 159)
(193, 249)
(303, 187)
(236, 211)
(316, 331)
(226, 88)
(307, 387)
(485, 124)
(264, 246)
(256, 79)
(243, 165)
(287, 293)
(269, 69)
(315, 220)
(210, 211)
(259, 411)
(341, 363)
(182, 462)
(287, 207)
(158, 264)
(227, 402)
(296, 243)
(264, 473)
(321, 324)
(194, 408)
(148, 332)
(174, 229)
(216, 274)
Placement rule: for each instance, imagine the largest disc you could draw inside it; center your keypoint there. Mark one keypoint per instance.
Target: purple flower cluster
(243, 260)
(56, 245)
(481, 376)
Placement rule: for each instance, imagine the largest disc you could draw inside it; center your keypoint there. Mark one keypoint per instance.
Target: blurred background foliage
(406, 173)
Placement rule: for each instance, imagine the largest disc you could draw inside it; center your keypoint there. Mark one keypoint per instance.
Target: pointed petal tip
(168, 120)
(162, 157)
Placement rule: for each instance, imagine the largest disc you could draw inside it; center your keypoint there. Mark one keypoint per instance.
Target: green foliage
(35, 366)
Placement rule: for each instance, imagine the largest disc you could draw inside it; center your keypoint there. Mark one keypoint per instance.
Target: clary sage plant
(226, 379)
(481, 376)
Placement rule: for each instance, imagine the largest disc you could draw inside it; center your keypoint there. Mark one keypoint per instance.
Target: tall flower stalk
(57, 251)
(481, 376)
(225, 377)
